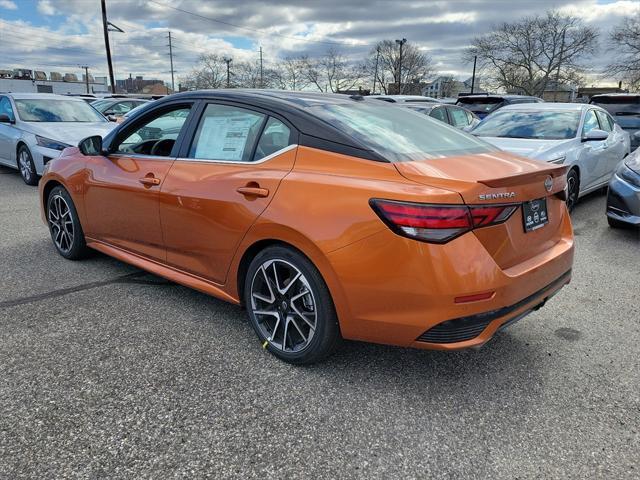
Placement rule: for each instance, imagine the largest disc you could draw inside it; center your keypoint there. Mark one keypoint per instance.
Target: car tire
(26, 166)
(64, 225)
(613, 223)
(296, 327)
(573, 189)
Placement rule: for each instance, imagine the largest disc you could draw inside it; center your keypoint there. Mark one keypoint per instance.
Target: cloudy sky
(62, 34)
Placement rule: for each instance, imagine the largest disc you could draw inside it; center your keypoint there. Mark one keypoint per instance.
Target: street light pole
(105, 27)
(473, 77)
(401, 43)
(86, 76)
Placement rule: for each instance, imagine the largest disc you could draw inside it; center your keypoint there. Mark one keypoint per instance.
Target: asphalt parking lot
(108, 372)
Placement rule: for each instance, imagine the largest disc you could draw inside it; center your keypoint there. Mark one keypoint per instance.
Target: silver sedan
(584, 137)
(36, 127)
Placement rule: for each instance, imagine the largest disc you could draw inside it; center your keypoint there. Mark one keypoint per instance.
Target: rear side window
(458, 117)
(226, 133)
(275, 137)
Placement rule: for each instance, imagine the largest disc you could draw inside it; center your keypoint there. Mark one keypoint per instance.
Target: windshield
(399, 134)
(534, 125)
(54, 110)
(480, 105)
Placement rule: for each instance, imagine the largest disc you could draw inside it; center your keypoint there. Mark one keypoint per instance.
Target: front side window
(5, 108)
(439, 114)
(541, 125)
(398, 134)
(590, 122)
(157, 135)
(227, 133)
(605, 122)
(54, 110)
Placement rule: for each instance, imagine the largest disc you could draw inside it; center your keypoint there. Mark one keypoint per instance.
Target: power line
(263, 32)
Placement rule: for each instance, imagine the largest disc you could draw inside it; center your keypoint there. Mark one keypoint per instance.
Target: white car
(584, 137)
(36, 127)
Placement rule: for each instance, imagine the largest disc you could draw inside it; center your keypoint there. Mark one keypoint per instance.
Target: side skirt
(170, 273)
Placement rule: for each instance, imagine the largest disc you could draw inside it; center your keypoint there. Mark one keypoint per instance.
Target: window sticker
(224, 138)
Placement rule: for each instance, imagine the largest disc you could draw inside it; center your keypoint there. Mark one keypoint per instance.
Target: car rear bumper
(623, 200)
(398, 290)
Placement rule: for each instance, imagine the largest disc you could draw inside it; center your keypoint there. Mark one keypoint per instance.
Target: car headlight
(558, 160)
(49, 143)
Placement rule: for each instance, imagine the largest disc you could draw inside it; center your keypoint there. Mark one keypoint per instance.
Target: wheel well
(250, 254)
(50, 185)
(20, 144)
(577, 169)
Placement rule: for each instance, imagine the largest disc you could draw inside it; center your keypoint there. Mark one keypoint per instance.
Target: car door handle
(149, 181)
(253, 191)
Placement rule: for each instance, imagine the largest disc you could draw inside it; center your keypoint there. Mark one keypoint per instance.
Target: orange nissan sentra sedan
(325, 216)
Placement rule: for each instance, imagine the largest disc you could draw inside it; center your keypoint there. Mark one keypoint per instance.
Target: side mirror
(112, 118)
(4, 118)
(595, 135)
(91, 145)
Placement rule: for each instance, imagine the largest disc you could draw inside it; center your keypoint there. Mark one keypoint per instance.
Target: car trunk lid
(500, 178)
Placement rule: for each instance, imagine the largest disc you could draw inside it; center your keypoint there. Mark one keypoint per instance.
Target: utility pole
(401, 43)
(555, 92)
(228, 61)
(473, 77)
(105, 27)
(375, 75)
(261, 71)
(86, 76)
(173, 85)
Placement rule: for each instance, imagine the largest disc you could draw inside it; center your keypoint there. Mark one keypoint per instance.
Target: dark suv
(625, 108)
(483, 105)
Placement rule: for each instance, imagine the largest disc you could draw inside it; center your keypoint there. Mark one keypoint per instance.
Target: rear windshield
(625, 109)
(480, 105)
(533, 125)
(53, 110)
(399, 134)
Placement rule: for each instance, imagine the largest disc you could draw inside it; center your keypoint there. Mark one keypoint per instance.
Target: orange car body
(194, 227)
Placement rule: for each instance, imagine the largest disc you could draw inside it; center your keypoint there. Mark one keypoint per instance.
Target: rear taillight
(438, 223)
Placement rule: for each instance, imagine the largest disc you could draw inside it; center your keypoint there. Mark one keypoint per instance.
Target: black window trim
(198, 114)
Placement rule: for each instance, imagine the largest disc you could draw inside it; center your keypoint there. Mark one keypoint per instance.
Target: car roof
(295, 107)
(496, 95)
(404, 98)
(548, 106)
(602, 95)
(31, 96)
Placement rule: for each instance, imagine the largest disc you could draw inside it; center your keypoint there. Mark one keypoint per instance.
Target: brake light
(438, 223)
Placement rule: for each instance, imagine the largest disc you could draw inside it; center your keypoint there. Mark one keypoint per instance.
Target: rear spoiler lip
(513, 180)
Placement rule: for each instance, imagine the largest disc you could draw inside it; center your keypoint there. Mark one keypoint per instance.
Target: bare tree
(210, 72)
(530, 54)
(289, 74)
(625, 39)
(416, 65)
(332, 72)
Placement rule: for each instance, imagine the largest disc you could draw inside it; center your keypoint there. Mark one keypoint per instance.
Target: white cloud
(8, 4)
(45, 7)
